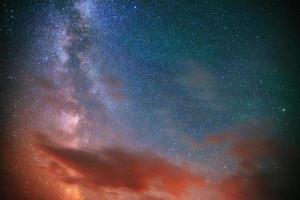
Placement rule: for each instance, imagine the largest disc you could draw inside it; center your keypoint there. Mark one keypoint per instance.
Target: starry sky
(149, 100)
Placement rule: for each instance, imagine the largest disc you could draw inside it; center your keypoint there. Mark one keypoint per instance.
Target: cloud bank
(117, 168)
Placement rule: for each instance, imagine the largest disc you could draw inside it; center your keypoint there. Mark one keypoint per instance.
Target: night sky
(149, 100)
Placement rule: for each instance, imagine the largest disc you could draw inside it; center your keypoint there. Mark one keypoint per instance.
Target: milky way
(150, 100)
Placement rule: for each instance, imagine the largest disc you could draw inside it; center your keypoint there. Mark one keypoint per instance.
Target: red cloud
(267, 169)
(117, 168)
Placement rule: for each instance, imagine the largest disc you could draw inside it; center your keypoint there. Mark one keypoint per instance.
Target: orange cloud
(266, 169)
(117, 168)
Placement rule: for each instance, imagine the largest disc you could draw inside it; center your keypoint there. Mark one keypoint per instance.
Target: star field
(149, 100)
